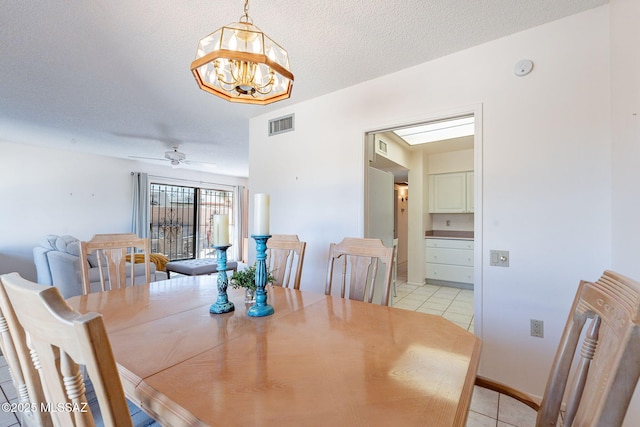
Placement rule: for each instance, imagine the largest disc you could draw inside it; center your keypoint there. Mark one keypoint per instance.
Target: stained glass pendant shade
(240, 63)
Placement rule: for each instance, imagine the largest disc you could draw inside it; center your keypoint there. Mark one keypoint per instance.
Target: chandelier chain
(246, 10)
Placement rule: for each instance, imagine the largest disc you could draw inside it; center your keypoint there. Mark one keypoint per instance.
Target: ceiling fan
(175, 157)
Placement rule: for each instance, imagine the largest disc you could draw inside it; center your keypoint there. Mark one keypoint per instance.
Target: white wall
(396, 151)
(452, 161)
(625, 135)
(625, 117)
(419, 220)
(47, 191)
(457, 222)
(546, 173)
(402, 221)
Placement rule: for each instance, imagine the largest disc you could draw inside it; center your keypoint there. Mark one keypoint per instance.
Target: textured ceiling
(112, 76)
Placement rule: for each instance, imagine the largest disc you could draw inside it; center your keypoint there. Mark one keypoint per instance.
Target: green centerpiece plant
(247, 279)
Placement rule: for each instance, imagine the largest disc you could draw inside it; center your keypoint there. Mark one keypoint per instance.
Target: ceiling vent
(281, 125)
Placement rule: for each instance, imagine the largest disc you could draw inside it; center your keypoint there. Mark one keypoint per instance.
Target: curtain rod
(190, 181)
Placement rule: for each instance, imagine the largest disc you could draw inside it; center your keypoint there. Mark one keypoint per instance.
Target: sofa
(57, 261)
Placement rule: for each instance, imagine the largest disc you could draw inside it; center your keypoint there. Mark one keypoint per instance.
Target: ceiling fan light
(175, 156)
(240, 63)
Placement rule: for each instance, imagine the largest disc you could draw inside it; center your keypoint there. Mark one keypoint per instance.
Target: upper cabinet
(451, 192)
(470, 193)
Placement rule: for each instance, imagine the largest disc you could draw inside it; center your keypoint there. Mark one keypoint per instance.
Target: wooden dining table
(317, 361)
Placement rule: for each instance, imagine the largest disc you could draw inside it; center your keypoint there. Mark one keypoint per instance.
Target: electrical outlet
(537, 328)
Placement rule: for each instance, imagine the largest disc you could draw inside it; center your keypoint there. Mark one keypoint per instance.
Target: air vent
(281, 125)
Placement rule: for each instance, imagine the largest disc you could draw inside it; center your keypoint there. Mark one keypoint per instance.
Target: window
(181, 220)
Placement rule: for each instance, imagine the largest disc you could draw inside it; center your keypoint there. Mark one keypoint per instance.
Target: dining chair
(24, 376)
(358, 259)
(109, 252)
(285, 256)
(60, 340)
(605, 356)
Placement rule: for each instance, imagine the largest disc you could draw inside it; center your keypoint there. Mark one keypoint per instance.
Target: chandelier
(240, 63)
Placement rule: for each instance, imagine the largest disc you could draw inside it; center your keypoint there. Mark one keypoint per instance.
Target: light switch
(499, 258)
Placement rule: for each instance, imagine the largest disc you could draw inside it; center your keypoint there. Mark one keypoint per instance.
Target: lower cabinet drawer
(449, 243)
(450, 256)
(450, 273)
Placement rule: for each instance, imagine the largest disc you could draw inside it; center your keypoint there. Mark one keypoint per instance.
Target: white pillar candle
(261, 215)
(220, 230)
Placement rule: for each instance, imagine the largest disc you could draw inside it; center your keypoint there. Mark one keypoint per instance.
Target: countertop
(447, 234)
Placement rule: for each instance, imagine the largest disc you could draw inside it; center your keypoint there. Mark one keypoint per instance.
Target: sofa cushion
(93, 260)
(49, 241)
(73, 248)
(63, 241)
(42, 265)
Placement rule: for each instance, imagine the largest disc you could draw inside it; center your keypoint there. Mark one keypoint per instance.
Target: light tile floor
(453, 304)
(488, 408)
(10, 419)
(7, 394)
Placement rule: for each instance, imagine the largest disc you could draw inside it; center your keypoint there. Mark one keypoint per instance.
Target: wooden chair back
(597, 365)
(13, 343)
(111, 253)
(285, 255)
(358, 259)
(60, 339)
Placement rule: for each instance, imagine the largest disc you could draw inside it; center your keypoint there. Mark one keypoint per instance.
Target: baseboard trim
(446, 283)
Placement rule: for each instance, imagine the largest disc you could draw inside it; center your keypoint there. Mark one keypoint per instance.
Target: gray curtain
(140, 204)
(241, 220)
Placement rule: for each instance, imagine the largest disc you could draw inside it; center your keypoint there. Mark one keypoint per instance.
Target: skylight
(437, 131)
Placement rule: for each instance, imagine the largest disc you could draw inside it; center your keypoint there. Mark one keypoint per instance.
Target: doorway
(411, 164)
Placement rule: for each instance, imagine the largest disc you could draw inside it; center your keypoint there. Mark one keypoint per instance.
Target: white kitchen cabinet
(451, 192)
(470, 192)
(449, 260)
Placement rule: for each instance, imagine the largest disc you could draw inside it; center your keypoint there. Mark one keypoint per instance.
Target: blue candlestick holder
(222, 304)
(261, 308)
